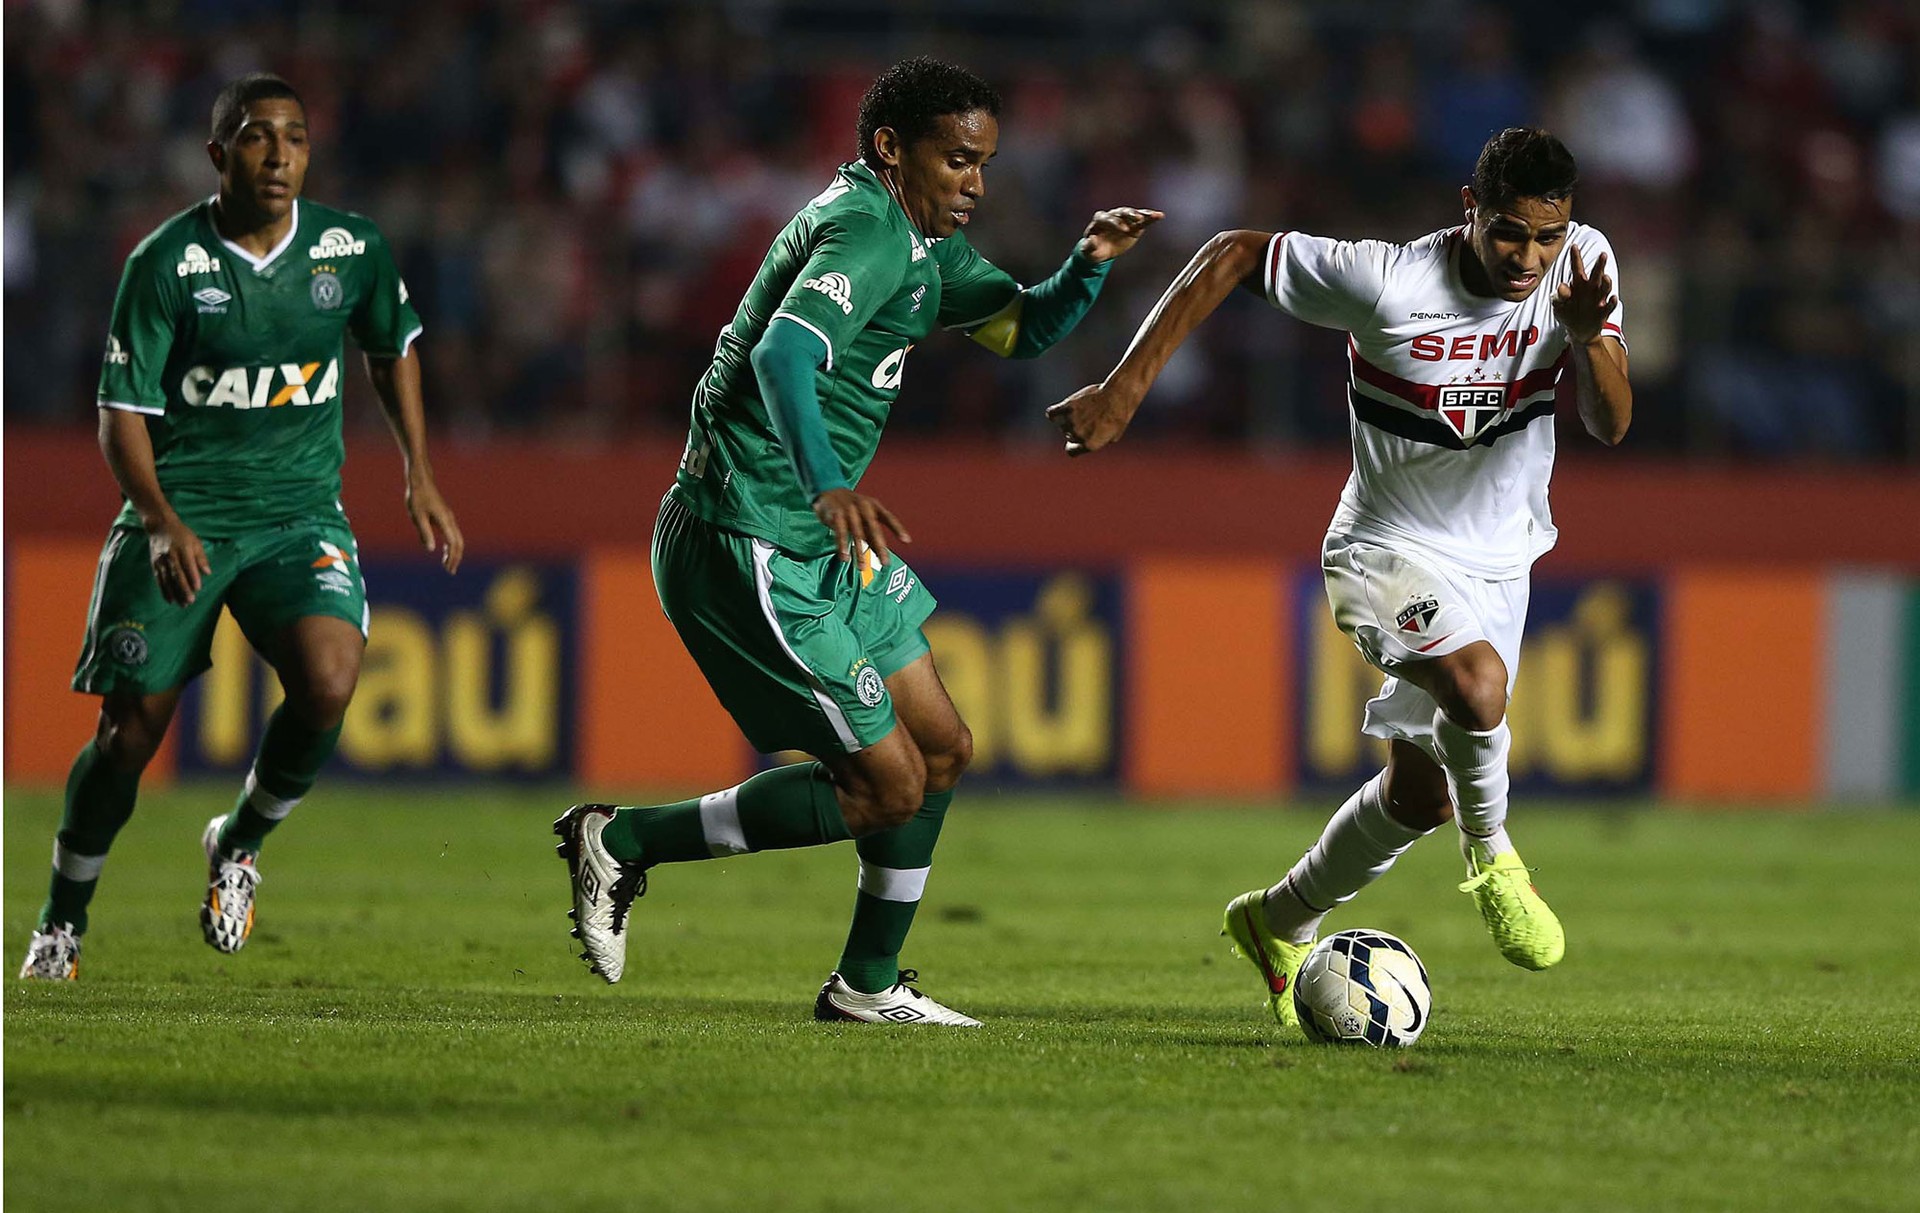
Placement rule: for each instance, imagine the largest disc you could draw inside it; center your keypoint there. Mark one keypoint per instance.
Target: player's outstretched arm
(1601, 388)
(175, 552)
(1032, 321)
(1096, 417)
(396, 381)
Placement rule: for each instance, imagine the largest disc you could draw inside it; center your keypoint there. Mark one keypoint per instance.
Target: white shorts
(1400, 606)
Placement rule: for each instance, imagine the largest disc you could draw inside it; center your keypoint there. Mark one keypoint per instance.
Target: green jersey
(852, 269)
(235, 360)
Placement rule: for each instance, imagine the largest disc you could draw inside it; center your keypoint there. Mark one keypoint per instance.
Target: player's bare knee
(947, 764)
(321, 697)
(321, 707)
(1473, 692)
(131, 737)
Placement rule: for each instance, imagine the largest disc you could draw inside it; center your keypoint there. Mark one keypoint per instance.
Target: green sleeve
(140, 337)
(973, 290)
(1052, 308)
(855, 265)
(784, 363)
(384, 323)
(984, 301)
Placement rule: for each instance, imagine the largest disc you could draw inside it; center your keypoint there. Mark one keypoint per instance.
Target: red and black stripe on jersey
(1415, 411)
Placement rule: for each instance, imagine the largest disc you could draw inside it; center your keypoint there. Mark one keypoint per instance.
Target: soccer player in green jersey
(220, 419)
(781, 577)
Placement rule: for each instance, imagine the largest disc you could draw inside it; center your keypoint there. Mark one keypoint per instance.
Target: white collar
(260, 263)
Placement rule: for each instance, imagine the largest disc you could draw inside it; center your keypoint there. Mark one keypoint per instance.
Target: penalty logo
(1417, 615)
(1471, 409)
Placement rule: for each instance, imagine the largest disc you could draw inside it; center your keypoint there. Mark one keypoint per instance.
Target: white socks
(1359, 844)
(1476, 767)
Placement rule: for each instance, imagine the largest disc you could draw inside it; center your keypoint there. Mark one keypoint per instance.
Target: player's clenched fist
(1092, 417)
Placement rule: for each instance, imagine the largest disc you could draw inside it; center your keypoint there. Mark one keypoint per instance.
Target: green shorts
(798, 649)
(138, 641)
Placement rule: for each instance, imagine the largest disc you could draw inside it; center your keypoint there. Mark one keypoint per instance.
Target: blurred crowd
(578, 192)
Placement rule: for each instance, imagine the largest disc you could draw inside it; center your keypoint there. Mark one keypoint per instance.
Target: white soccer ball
(1362, 987)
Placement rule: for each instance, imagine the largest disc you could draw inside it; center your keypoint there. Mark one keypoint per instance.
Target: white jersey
(1451, 393)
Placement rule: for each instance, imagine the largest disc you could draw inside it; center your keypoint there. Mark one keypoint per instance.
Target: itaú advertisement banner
(1163, 676)
(1584, 709)
(464, 675)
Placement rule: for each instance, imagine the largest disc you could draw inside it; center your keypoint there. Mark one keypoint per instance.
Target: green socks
(893, 875)
(791, 806)
(794, 806)
(291, 755)
(99, 800)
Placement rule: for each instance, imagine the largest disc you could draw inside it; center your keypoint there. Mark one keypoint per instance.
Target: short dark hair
(230, 107)
(1524, 162)
(914, 94)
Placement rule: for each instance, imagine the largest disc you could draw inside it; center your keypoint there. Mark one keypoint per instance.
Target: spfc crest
(1471, 409)
(1417, 615)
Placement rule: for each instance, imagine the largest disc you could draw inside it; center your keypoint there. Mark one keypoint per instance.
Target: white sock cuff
(265, 803)
(1470, 748)
(76, 867)
(893, 884)
(720, 823)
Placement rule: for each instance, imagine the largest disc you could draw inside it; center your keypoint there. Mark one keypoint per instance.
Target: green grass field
(1734, 1027)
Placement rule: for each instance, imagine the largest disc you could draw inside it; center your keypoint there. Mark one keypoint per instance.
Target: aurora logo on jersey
(244, 387)
(194, 260)
(116, 353)
(336, 242)
(1468, 409)
(835, 286)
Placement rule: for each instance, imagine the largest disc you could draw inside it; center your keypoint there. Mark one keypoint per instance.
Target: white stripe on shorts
(763, 585)
(720, 823)
(893, 884)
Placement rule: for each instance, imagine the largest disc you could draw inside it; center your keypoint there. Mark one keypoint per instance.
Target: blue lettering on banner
(468, 676)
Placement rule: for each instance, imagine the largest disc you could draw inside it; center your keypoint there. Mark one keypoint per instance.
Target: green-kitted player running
(220, 418)
(781, 578)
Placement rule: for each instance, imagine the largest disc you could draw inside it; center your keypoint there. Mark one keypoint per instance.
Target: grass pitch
(1734, 1026)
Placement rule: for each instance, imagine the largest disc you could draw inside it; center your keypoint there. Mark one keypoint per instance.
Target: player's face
(1516, 242)
(265, 163)
(943, 176)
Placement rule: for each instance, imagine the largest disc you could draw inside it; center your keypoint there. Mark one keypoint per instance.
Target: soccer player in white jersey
(1455, 343)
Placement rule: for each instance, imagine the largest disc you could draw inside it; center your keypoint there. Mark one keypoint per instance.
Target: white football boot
(604, 888)
(53, 954)
(226, 915)
(899, 1003)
